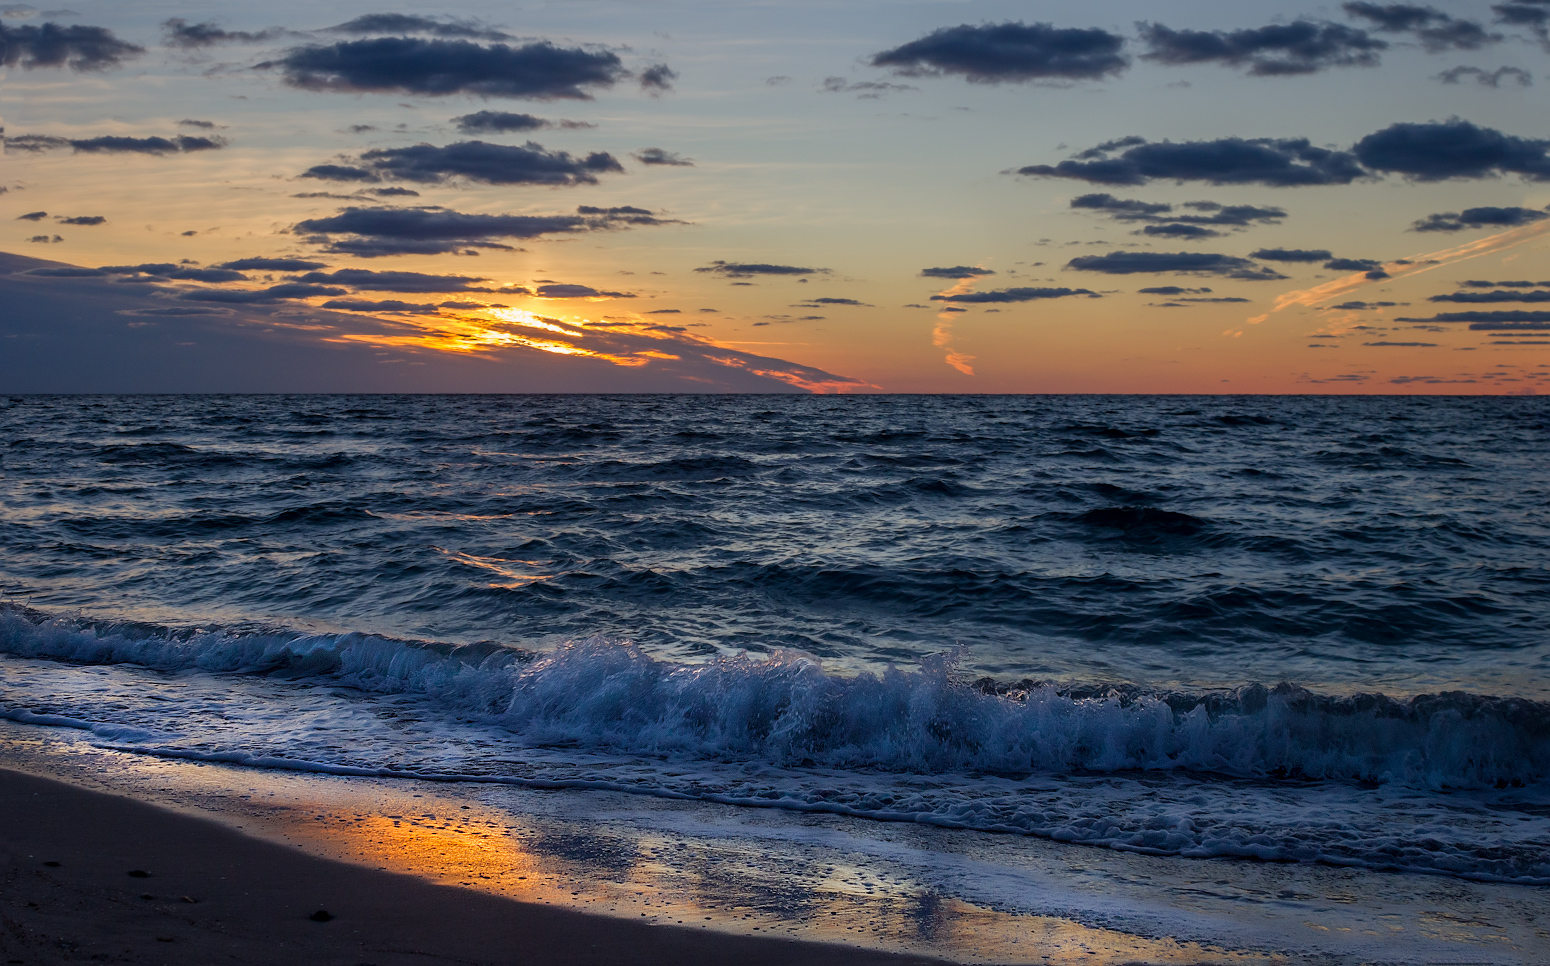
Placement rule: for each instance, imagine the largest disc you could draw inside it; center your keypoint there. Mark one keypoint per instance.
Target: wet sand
(93, 877)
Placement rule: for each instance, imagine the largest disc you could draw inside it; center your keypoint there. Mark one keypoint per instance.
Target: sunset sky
(840, 196)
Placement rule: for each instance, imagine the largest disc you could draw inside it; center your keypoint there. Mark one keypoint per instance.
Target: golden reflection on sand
(653, 879)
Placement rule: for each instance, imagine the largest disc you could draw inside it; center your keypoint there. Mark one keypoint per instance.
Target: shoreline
(210, 894)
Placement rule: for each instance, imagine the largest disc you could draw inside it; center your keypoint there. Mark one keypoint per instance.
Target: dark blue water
(1197, 591)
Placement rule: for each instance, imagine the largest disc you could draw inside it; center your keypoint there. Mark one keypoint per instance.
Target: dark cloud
(819, 302)
(1455, 148)
(392, 192)
(181, 33)
(170, 271)
(364, 279)
(1358, 306)
(1169, 222)
(1435, 30)
(273, 264)
(659, 156)
(496, 122)
(750, 269)
(32, 216)
(340, 172)
(1176, 230)
(69, 271)
(1014, 295)
(1486, 78)
(955, 271)
(1428, 345)
(658, 78)
(407, 65)
(382, 305)
(1353, 265)
(1121, 209)
(373, 232)
(55, 45)
(1220, 298)
(1010, 52)
(1478, 283)
(45, 239)
(1300, 47)
(1275, 162)
(1172, 290)
(190, 122)
(1479, 218)
(1539, 295)
(113, 144)
(1291, 254)
(1492, 320)
(1178, 263)
(665, 312)
(1533, 14)
(473, 161)
(399, 23)
(262, 296)
(558, 290)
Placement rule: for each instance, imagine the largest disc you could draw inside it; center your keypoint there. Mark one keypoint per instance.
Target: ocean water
(1307, 629)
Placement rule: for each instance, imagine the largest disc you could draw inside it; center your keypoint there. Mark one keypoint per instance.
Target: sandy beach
(91, 877)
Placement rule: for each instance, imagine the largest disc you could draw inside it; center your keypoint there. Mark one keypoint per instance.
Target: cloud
(45, 240)
(1539, 295)
(83, 220)
(558, 290)
(382, 305)
(862, 89)
(407, 65)
(1429, 345)
(820, 302)
(1176, 230)
(1357, 306)
(659, 156)
(1478, 218)
(495, 122)
(1172, 290)
(69, 271)
(374, 232)
(181, 33)
(274, 293)
(1435, 30)
(32, 216)
(1455, 148)
(340, 172)
(1014, 295)
(955, 271)
(1009, 52)
(1169, 222)
(1277, 163)
(1353, 265)
(1300, 47)
(168, 270)
(1291, 254)
(1533, 14)
(364, 279)
(273, 264)
(658, 78)
(1178, 263)
(54, 45)
(1487, 78)
(114, 144)
(484, 162)
(399, 23)
(750, 269)
(1432, 151)
(1491, 320)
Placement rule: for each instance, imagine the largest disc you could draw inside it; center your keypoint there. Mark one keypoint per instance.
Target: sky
(595, 195)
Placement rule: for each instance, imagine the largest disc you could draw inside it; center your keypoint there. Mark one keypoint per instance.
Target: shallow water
(1297, 629)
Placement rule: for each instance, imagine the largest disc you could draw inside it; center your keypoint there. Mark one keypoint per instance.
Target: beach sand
(73, 891)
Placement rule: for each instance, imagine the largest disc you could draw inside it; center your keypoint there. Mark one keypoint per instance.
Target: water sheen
(1302, 628)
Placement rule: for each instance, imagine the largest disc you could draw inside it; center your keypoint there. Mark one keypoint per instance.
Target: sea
(1305, 631)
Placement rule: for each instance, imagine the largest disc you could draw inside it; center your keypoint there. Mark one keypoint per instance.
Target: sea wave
(789, 711)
